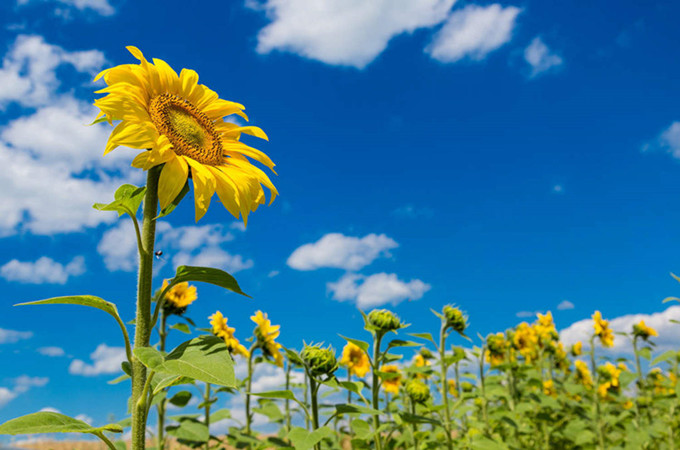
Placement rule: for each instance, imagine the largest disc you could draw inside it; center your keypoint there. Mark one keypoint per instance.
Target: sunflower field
(393, 387)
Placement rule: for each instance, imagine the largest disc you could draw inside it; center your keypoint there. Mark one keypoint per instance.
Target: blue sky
(507, 157)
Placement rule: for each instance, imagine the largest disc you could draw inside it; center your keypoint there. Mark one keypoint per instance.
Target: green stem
(143, 316)
(375, 387)
(106, 440)
(313, 388)
(482, 381)
(641, 383)
(415, 425)
(162, 334)
(596, 397)
(445, 384)
(305, 400)
(288, 368)
(206, 400)
(249, 386)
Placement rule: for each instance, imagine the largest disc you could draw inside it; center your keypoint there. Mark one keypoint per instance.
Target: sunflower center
(188, 129)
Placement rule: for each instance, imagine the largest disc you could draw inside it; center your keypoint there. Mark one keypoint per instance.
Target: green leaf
(361, 429)
(286, 395)
(303, 439)
(119, 379)
(183, 327)
(361, 344)
(344, 408)
(96, 121)
(205, 358)
(401, 343)
(427, 336)
(168, 209)
(646, 353)
(665, 356)
(271, 411)
(220, 415)
(51, 422)
(671, 299)
(207, 275)
(181, 398)
(162, 381)
(190, 430)
(126, 200)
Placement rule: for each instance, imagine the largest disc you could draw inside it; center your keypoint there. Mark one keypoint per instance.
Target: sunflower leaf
(207, 275)
(127, 200)
(51, 422)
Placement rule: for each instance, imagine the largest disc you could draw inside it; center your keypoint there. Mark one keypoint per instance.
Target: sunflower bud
(418, 391)
(319, 360)
(458, 354)
(467, 386)
(454, 318)
(384, 320)
(426, 354)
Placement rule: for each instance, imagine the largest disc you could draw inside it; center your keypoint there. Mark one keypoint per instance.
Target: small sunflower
(583, 374)
(220, 329)
(641, 330)
(178, 297)
(496, 345)
(602, 330)
(453, 389)
(266, 335)
(180, 123)
(549, 388)
(391, 386)
(355, 359)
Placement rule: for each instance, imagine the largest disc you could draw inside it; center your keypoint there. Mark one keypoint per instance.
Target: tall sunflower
(355, 359)
(180, 123)
(221, 329)
(266, 335)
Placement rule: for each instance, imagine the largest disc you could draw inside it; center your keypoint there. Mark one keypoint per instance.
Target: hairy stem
(313, 388)
(445, 384)
(375, 387)
(206, 400)
(596, 397)
(143, 316)
(249, 386)
(160, 408)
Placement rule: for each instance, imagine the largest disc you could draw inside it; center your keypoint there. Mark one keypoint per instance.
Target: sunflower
(643, 331)
(583, 375)
(266, 333)
(355, 359)
(220, 329)
(391, 385)
(496, 345)
(178, 297)
(609, 377)
(453, 390)
(180, 123)
(549, 388)
(602, 330)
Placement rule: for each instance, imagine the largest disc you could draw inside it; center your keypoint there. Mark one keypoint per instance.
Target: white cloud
(50, 409)
(473, 32)
(343, 252)
(43, 270)
(102, 7)
(343, 32)
(540, 57)
(668, 332)
(22, 384)
(51, 351)
(188, 245)
(85, 418)
(525, 314)
(273, 273)
(28, 73)
(105, 360)
(12, 336)
(558, 188)
(376, 290)
(564, 305)
(668, 141)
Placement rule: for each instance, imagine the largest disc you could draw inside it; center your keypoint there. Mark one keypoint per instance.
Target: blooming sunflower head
(391, 383)
(602, 330)
(577, 349)
(608, 377)
(583, 375)
(319, 360)
(549, 388)
(641, 330)
(266, 335)
(355, 359)
(525, 341)
(181, 125)
(418, 391)
(496, 346)
(178, 297)
(220, 329)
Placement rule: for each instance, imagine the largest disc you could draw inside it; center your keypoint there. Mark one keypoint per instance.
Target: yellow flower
(178, 297)
(355, 359)
(627, 404)
(266, 333)
(609, 376)
(549, 388)
(391, 386)
(602, 330)
(545, 329)
(421, 361)
(453, 390)
(577, 349)
(220, 329)
(181, 124)
(643, 331)
(525, 341)
(496, 347)
(583, 375)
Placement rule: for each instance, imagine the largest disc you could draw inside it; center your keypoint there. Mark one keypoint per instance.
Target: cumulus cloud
(336, 250)
(376, 290)
(540, 57)
(668, 141)
(105, 360)
(187, 245)
(22, 384)
(473, 32)
(343, 32)
(660, 321)
(43, 270)
(564, 305)
(102, 7)
(51, 351)
(12, 336)
(28, 73)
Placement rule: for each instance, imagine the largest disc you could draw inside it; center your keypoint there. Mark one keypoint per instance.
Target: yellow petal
(188, 80)
(226, 191)
(137, 53)
(173, 177)
(204, 186)
(168, 76)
